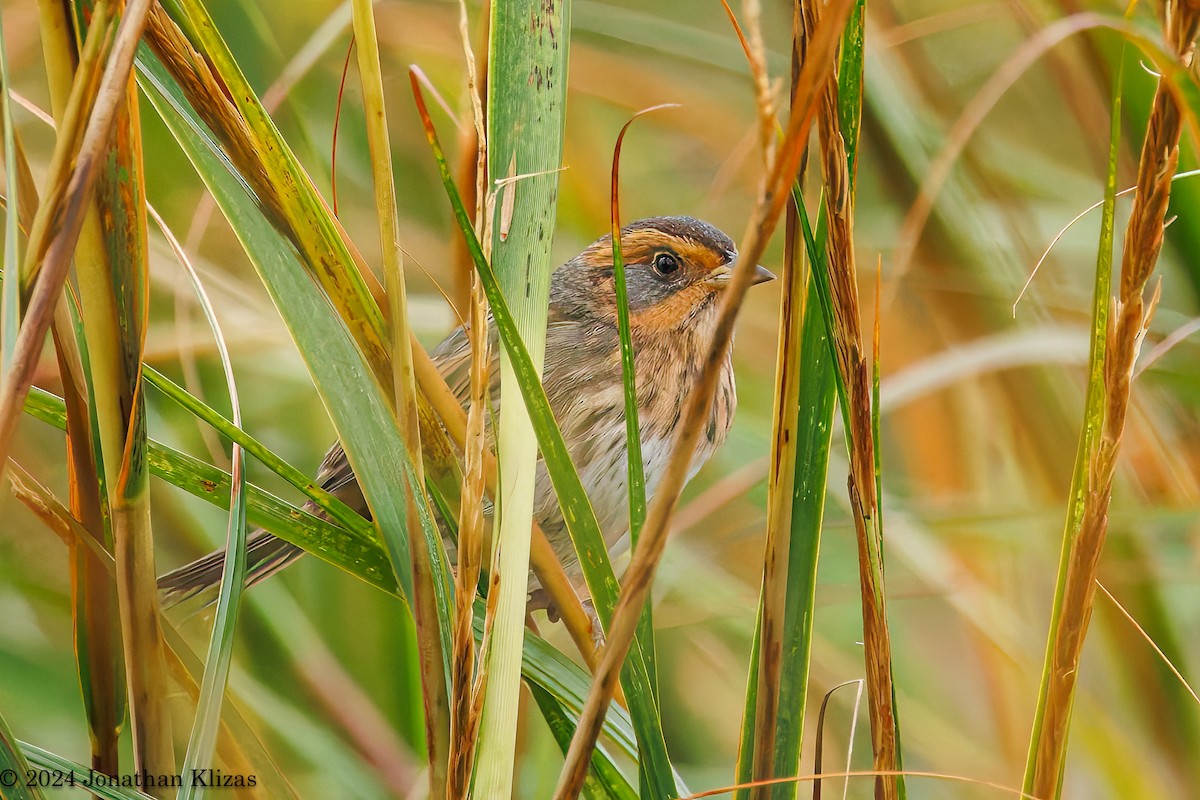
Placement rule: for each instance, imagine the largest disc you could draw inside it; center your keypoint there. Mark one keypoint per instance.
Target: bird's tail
(198, 581)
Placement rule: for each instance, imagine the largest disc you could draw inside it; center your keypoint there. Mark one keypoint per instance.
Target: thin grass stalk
(468, 680)
(206, 724)
(1123, 323)
(525, 121)
(634, 467)
(838, 138)
(10, 289)
(472, 166)
(95, 619)
(432, 657)
(640, 574)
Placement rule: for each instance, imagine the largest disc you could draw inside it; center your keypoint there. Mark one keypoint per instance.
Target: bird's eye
(666, 263)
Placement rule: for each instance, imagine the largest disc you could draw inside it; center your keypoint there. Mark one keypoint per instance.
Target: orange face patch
(673, 312)
(696, 264)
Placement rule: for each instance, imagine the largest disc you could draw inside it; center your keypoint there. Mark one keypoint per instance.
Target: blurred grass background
(981, 407)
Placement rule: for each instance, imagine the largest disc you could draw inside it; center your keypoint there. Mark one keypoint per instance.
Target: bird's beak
(721, 275)
(762, 275)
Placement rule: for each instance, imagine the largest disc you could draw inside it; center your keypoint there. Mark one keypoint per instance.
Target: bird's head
(675, 271)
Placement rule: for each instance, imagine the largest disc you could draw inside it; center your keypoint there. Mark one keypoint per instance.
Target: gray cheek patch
(647, 289)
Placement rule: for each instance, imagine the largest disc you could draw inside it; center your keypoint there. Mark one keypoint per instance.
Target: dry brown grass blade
(1150, 641)
(209, 97)
(72, 119)
(42, 502)
(998, 788)
(819, 745)
(639, 576)
(1126, 326)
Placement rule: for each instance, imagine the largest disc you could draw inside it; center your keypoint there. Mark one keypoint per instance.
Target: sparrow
(676, 270)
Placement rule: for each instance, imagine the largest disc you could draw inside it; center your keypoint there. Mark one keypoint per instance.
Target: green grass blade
(433, 655)
(635, 472)
(202, 742)
(605, 781)
(814, 425)
(1093, 414)
(13, 765)
(850, 104)
(743, 770)
(349, 519)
